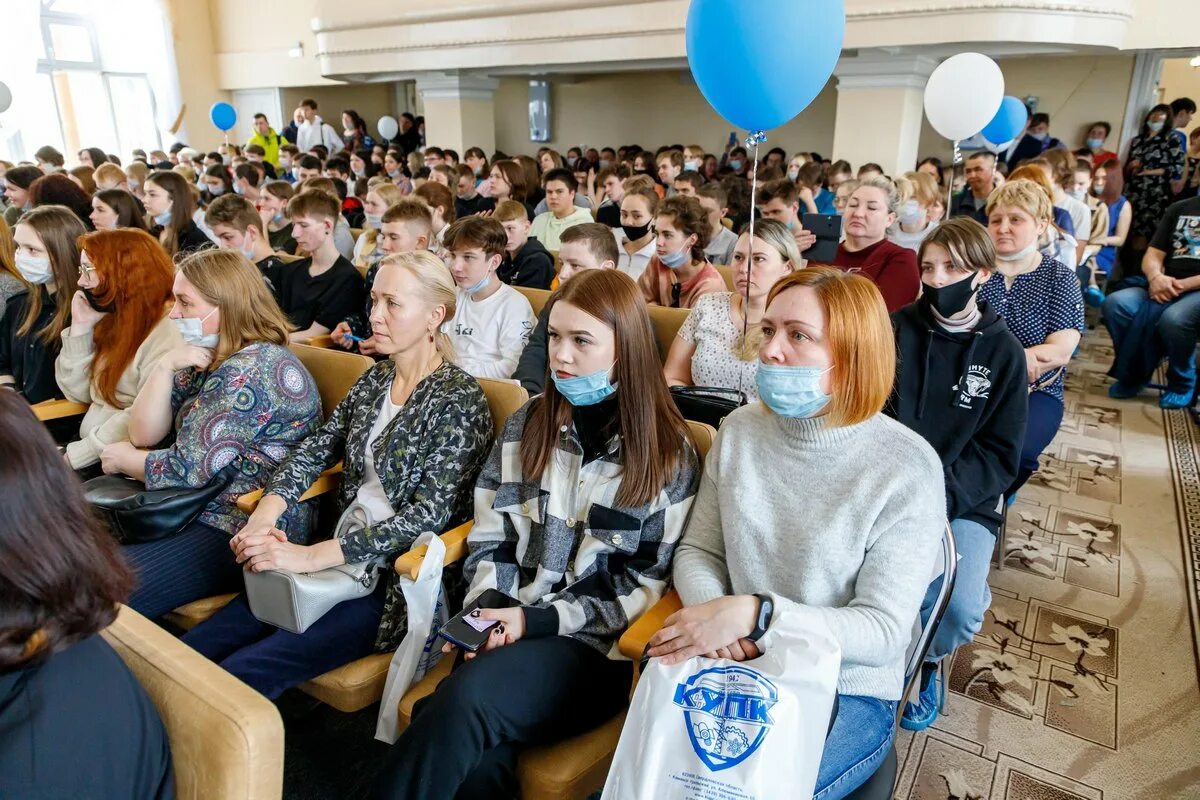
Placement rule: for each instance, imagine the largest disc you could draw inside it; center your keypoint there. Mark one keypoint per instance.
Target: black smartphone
(828, 230)
(732, 138)
(466, 630)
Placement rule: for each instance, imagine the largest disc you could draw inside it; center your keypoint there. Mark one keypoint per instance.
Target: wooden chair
(226, 739)
(537, 298)
(48, 410)
(575, 767)
(726, 273)
(666, 322)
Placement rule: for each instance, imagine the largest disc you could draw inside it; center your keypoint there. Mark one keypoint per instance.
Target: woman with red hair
(119, 330)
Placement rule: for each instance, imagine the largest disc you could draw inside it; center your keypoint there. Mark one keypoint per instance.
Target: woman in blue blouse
(232, 393)
(413, 434)
(1041, 301)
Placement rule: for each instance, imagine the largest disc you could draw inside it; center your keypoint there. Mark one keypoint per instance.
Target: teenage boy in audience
(289, 162)
(687, 184)
(310, 167)
(611, 181)
(338, 169)
(441, 204)
(246, 180)
(560, 186)
(406, 227)
(320, 291)
(343, 240)
(670, 164)
(780, 200)
(492, 321)
(256, 155)
(272, 208)
(469, 201)
(526, 261)
(713, 199)
(434, 157)
(587, 246)
(980, 173)
(236, 224)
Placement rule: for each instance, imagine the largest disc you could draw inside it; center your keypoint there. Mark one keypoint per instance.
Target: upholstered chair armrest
(455, 540)
(633, 641)
(59, 409)
(325, 341)
(327, 482)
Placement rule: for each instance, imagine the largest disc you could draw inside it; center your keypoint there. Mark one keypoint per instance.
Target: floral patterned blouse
(427, 459)
(257, 405)
(1151, 194)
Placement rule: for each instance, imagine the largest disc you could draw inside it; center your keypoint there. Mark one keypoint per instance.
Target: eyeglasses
(85, 270)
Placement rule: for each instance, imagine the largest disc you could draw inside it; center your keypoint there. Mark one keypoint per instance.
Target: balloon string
(752, 141)
(953, 172)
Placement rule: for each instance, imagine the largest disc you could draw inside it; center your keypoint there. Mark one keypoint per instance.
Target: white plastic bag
(710, 729)
(416, 654)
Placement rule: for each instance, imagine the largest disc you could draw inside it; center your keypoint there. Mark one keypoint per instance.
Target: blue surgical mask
(279, 218)
(479, 287)
(584, 390)
(691, 165)
(237, 189)
(162, 219)
(677, 259)
(216, 191)
(1041, 137)
(1155, 127)
(393, 174)
(791, 391)
(910, 213)
(373, 220)
(1095, 144)
(736, 164)
(192, 331)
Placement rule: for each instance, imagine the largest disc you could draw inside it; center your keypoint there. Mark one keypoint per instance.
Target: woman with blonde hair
(379, 199)
(710, 348)
(920, 210)
(1058, 241)
(234, 397)
(110, 176)
(413, 434)
(1041, 301)
(119, 331)
(856, 556)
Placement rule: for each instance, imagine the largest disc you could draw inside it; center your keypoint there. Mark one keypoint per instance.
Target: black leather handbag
(136, 515)
(707, 404)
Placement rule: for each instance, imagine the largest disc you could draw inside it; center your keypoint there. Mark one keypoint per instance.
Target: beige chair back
(335, 372)
(226, 739)
(504, 399)
(536, 297)
(702, 437)
(726, 273)
(666, 322)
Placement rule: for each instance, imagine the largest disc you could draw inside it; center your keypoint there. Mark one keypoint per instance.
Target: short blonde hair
(1025, 195)
(510, 210)
(109, 171)
(922, 186)
(860, 338)
(437, 288)
(249, 313)
(187, 172)
(138, 171)
(891, 196)
(388, 192)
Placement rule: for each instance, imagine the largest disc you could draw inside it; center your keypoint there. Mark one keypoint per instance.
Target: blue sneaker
(1093, 296)
(1123, 391)
(1172, 400)
(920, 715)
(1012, 498)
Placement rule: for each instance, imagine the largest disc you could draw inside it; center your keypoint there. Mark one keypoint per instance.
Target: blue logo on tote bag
(727, 712)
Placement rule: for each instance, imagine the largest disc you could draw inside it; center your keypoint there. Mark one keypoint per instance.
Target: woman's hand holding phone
(509, 628)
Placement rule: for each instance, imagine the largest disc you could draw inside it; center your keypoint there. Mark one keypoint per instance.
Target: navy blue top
(1038, 304)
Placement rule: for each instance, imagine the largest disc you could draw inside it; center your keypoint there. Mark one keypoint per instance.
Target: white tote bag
(416, 654)
(710, 729)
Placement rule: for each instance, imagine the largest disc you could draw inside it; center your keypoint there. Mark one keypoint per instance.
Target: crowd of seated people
(919, 371)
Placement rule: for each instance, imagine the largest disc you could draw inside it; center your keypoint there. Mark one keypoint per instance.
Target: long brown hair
(61, 576)
(514, 175)
(128, 210)
(653, 433)
(59, 229)
(135, 277)
(249, 313)
(183, 206)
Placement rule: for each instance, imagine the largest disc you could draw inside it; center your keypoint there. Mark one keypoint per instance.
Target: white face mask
(192, 331)
(793, 173)
(910, 213)
(35, 270)
(1022, 254)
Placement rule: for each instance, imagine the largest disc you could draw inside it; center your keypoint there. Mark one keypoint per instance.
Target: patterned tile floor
(1083, 682)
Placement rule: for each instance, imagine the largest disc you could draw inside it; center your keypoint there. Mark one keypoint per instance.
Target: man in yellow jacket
(266, 138)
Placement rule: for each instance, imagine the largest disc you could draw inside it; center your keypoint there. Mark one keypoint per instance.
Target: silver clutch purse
(293, 601)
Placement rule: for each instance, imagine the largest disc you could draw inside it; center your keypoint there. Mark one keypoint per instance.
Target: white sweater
(490, 334)
(842, 525)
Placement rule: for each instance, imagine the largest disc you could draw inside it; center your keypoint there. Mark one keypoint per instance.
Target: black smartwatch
(766, 609)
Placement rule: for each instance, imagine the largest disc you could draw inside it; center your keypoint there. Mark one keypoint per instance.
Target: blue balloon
(223, 116)
(1008, 122)
(759, 63)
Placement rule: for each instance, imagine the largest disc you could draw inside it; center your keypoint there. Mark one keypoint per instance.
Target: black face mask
(636, 232)
(96, 304)
(952, 298)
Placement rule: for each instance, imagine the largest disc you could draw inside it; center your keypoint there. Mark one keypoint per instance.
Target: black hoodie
(966, 393)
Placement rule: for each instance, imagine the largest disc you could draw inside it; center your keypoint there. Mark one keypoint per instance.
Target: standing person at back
(491, 321)
(679, 274)
(526, 262)
(560, 187)
(266, 138)
(325, 288)
(315, 131)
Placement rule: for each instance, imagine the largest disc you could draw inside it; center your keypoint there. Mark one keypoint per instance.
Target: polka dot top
(710, 327)
(1038, 304)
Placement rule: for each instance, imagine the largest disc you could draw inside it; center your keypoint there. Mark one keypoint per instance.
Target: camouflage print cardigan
(427, 458)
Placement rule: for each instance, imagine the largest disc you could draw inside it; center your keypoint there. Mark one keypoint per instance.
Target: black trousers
(464, 738)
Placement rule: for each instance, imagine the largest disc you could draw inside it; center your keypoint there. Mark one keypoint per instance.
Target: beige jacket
(104, 424)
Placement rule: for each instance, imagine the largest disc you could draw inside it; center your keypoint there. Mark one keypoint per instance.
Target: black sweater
(532, 266)
(27, 357)
(966, 394)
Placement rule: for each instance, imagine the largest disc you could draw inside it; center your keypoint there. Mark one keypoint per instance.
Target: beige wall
(251, 43)
(1180, 79)
(191, 24)
(650, 108)
(371, 100)
(1074, 90)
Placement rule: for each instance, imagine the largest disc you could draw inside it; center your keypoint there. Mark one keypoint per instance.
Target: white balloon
(388, 127)
(997, 148)
(963, 95)
(5, 98)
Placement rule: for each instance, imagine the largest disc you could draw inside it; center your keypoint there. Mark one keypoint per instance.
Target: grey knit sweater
(841, 525)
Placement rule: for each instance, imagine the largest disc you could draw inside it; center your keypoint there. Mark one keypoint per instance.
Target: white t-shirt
(371, 495)
(632, 265)
(912, 241)
(490, 334)
(720, 249)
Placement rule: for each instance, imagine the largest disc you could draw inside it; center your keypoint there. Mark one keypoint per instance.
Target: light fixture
(1195, 62)
(296, 50)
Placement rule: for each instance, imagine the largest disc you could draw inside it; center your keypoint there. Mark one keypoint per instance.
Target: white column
(459, 111)
(880, 109)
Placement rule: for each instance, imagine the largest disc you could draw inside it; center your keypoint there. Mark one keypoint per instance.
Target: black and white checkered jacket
(581, 565)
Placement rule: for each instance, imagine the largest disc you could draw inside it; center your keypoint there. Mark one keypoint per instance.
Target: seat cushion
(423, 688)
(191, 615)
(354, 686)
(575, 767)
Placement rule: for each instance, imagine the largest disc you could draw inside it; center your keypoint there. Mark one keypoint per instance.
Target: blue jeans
(971, 595)
(1177, 330)
(861, 736)
(271, 660)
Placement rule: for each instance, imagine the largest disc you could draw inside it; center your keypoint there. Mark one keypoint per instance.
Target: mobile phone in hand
(466, 630)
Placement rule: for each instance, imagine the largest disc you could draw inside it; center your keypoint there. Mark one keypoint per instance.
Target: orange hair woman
(119, 330)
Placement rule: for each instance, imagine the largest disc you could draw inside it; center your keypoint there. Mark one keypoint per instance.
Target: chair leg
(943, 675)
(1001, 534)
